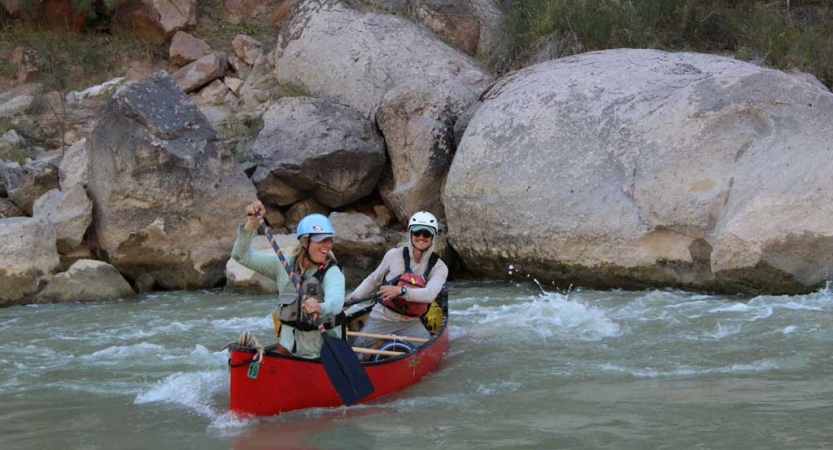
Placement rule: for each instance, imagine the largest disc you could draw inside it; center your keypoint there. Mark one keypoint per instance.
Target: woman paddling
(322, 280)
(407, 280)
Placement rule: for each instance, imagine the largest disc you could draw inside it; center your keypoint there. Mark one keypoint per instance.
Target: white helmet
(425, 219)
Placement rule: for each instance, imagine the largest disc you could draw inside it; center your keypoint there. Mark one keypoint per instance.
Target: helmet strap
(308, 257)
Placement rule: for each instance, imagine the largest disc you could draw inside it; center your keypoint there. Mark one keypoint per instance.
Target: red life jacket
(410, 280)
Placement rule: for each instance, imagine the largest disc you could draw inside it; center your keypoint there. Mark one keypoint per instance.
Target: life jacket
(410, 280)
(290, 311)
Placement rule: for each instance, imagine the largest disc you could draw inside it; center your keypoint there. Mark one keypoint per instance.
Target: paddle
(343, 367)
(345, 371)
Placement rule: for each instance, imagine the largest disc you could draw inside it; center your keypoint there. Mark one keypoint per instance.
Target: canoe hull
(286, 383)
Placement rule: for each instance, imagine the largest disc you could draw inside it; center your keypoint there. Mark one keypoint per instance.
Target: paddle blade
(345, 370)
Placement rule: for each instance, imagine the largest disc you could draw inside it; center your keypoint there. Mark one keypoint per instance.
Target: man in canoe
(407, 280)
(321, 280)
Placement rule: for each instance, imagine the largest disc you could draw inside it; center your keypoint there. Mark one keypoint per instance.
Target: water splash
(545, 315)
(193, 390)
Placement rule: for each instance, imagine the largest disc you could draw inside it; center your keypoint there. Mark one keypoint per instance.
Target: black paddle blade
(345, 370)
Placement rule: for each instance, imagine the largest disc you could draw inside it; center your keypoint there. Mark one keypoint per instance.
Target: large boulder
(635, 168)
(367, 60)
(11, 6)
(320, 149)
(464, 24)
(69, 212)
(250, 11)
(243, 280)
(86, 280)
(72, 116)
(7, 209)
(166, 195)
(37, 178)
(301, 209)
(10, 174)
(454, 20)
(156, 21)
(359, 244)
(74, 167)
(17, 100)
(490, 17)
(28, 253)
(201, 72)
(58, 15)
(186, 48)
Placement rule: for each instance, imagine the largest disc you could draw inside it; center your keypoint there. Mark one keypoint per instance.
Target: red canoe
(285, 383)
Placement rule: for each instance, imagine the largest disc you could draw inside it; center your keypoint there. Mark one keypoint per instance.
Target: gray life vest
(290, 311)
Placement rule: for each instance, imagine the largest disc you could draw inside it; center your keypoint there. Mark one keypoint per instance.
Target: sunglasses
(422, 233)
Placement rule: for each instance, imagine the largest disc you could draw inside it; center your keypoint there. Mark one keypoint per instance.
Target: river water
(526, 369)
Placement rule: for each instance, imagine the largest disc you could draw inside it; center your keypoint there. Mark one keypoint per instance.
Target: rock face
(373, 62)
(319, 149)
(69, 212)
(27, 252)
(86, 280)
(166, 196)
(634, 168)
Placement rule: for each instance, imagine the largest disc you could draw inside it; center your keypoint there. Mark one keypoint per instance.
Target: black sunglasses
(422, 233)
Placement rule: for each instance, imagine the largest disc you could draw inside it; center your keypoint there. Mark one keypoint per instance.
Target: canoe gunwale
(272, 354)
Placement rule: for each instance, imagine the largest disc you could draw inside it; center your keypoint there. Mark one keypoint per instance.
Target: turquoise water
(526, 369)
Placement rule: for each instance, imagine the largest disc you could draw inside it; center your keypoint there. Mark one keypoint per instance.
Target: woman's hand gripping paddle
(345, 371)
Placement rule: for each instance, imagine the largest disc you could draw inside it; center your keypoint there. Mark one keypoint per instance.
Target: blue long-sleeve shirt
(307, 343)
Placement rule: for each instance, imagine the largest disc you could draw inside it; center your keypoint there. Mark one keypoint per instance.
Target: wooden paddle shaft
(387, 336)
(371, 351)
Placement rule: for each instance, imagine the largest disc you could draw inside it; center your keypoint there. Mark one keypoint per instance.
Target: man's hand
(390, 292)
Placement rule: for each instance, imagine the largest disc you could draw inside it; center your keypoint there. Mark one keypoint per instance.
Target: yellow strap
(277, 323)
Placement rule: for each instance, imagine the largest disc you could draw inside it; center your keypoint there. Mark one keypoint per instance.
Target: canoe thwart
(371, 351)
(387, 336)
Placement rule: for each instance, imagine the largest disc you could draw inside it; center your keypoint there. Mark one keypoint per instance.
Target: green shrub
(77, 61)
(785, 34)
(86, 7)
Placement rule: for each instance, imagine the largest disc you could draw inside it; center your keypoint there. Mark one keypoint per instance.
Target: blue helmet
(315, 224)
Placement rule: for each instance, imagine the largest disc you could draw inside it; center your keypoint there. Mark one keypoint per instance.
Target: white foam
(723, 331)
(193, 390)
(242, 323)
(734, 307)
(496, 388)
(761, 313)
(129, 351)
(230, 420)
(545, 316)
(687, 371)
